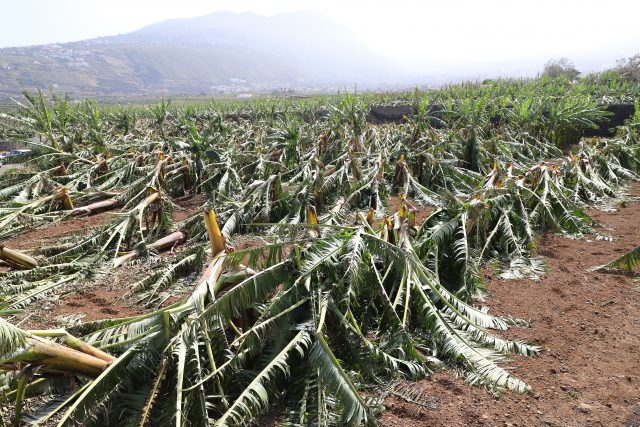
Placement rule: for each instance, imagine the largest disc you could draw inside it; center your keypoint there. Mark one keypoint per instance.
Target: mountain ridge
(215, 53)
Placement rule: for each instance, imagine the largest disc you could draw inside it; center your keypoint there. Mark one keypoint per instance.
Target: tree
(562, 67)
(629, 68)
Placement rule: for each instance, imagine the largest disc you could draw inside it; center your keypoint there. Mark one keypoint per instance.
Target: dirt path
(589, 324)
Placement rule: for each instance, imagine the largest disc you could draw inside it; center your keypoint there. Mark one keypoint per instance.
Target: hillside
(221, 52)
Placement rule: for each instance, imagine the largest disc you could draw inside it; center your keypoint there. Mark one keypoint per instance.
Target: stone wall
(8, 145)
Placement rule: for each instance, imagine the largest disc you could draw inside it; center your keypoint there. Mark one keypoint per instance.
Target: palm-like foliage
(626, 262)
(297, 317)
(345, 292)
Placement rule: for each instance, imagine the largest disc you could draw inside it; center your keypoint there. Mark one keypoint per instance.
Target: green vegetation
(629, 68)
(364, 256)
(562, 67)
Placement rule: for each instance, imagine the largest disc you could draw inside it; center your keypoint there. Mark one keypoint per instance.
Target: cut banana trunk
(17, 258)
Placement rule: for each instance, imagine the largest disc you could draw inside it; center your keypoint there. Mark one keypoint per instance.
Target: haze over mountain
(215, 53)
(228, 52)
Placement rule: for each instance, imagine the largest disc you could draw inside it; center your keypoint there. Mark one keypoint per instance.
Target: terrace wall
(398, 113)
(9, 145)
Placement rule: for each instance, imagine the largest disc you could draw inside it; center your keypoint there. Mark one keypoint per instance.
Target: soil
(52, 233)
(420, 212)
(100, 298)
(103, 297)
(589, 324)
(188, 206)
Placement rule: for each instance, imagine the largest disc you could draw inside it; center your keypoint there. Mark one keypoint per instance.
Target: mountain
(215, 53)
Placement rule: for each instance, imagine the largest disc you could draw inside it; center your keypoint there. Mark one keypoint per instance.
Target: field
(461, 256)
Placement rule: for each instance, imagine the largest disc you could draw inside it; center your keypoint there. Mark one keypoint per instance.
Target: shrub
(562, 67)
(629, 68)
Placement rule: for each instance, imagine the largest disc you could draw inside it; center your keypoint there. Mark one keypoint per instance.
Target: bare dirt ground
(102, 297)
(421, 213)
(52, 233)
(187, 206)
(589, 324)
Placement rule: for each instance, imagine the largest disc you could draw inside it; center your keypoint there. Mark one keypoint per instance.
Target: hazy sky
(442, 33)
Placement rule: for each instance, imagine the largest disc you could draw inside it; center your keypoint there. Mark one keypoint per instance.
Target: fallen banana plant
(18, 216)
(103, 205)
(85, 258)
(159, 245)
(626, 263)
(277, 324)
(17, 258)
(340, 294)
(37, 348)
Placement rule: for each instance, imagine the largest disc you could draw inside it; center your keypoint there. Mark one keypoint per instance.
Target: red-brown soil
(100, 298)
(421, 213)
(589, 325)
(187, 206)
(89, 300)
(52, 232)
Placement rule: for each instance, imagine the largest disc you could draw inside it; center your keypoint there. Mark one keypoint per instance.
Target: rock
(584, 408)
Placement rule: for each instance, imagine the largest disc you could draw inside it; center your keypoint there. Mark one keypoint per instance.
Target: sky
(417, 34)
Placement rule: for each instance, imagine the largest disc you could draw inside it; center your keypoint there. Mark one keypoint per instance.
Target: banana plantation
(327, 259)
